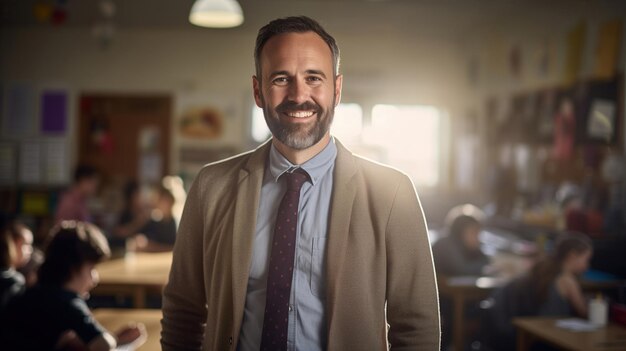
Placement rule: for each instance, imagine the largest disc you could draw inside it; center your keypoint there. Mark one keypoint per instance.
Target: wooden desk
(135, 275)
(461, 289)
(610, 338)
(114, 319)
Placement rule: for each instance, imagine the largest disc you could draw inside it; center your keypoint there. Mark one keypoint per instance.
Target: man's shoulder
(384, 176)
(225, 169)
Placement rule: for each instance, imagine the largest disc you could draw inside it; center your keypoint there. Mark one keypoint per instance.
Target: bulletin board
(125, 135)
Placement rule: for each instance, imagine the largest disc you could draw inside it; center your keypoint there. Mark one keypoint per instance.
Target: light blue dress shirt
(307, 324)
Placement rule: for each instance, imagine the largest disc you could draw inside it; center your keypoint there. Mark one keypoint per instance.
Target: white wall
(388, 67)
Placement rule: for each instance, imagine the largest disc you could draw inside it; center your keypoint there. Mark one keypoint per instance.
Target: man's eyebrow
(309, 71)
(317, 72)
(278, 73)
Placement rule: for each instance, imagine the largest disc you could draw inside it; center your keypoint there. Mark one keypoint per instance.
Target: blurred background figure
(159, 233)
(550, 288)
(53, 314)
(133, 217)
(16, 242)
(553, 281)
(74, 202)
(459, 253)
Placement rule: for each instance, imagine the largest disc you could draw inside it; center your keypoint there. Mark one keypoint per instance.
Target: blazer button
(230, 341)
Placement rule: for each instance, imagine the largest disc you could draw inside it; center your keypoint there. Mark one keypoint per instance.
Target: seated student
(553, 285)
(550, 288)
(53, 314)
(16, 242)
(459, 252)
(132, 218)
(30, 268)
(73, 202)
(159, 234)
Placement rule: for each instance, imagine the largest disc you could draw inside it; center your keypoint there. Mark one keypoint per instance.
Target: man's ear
(256, 88)
(338, 84)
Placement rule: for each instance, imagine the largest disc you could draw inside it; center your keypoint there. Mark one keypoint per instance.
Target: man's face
(297, 88)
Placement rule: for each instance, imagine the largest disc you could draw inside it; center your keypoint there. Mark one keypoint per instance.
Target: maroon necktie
(280, 270)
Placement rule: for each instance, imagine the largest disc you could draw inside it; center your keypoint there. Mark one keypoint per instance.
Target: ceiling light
(216, 13)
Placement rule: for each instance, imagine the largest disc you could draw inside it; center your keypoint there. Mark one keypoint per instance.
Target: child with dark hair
(133, 217)
(550, 288)
(459, 252)
(53, 314)
(73, 203)
(553, 282)
(16, 242)
(159, 233)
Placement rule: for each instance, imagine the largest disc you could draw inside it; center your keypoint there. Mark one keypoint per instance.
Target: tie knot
(296, 179)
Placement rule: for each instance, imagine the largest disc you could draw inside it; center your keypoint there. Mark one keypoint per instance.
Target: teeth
(300, 114)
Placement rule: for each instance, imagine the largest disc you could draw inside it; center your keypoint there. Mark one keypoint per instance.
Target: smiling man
(300, 244)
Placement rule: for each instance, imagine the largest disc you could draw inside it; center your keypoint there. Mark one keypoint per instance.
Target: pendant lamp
(216, 13)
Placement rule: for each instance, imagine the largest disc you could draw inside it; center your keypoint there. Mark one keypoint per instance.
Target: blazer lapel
(246, 205)
(344, 191)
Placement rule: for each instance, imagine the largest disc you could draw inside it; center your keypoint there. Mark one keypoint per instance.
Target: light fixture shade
(216, 13)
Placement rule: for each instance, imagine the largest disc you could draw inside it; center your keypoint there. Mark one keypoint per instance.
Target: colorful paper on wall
(7, 164)
(53, 111)
(608, 49)
(574, 54)
(30, 162)
(55, 161)
(35, 203)
(19, 115)
(601, 122)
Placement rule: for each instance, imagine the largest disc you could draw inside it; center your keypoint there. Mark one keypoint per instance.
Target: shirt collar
(316, 167)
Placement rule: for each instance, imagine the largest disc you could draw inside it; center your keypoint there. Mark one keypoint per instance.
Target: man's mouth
(300, 114)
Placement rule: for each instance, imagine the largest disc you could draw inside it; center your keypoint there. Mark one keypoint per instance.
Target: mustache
(289, 106)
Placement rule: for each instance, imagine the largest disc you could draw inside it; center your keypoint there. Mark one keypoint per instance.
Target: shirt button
(290, 308)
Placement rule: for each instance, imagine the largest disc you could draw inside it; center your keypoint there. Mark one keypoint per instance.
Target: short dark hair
(461, 223)
(294, 24)
(71, 245)
(84, 171)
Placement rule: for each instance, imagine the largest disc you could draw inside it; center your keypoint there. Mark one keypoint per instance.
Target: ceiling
(432, 17)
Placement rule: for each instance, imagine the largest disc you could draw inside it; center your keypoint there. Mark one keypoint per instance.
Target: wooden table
(114, 319)
(461, 289)
(609, 338)
(135, 275)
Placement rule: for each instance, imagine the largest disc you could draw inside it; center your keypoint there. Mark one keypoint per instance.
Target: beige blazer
(379, 265)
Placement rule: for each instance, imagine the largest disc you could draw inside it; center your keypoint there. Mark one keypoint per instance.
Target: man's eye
(280, 80)
(314, 79)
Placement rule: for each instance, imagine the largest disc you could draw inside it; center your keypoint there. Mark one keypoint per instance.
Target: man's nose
(298, 91)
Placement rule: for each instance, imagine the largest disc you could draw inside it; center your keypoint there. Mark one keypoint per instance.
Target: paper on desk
(576, 324)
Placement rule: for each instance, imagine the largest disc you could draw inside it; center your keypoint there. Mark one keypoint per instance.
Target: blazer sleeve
(184, 301)
(412, 299)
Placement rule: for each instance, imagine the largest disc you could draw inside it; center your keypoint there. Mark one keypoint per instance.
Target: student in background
(553, 283)
(550, 288)
(159, 234)
(133, 217)
(459, 252)
(53, 314)
(73, 203)
(16, 246)
(30, 268)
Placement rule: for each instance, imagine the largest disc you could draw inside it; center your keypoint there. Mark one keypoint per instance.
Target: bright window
(347, 124)
(409, 139)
